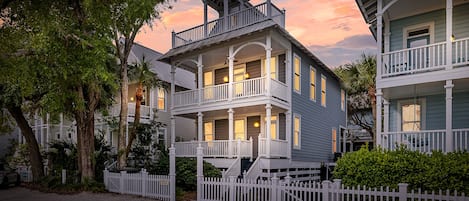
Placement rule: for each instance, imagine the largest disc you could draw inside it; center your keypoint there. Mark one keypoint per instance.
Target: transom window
(297, 74)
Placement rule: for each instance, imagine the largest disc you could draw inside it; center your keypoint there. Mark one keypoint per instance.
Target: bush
(388, 168)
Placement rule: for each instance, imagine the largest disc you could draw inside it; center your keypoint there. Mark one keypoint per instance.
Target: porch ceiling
(424, 89)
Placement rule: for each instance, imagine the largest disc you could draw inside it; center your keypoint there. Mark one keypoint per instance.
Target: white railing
(461, 139)
(231, 189)
(249, 88)
(216, 148)
(233, 21)
(144, 110)
(422, 141)
(461, 51)
(412, 60)
(233, 170)
(279, 90)
(142, 184)
(278, 148)
(215, 93)
(189, 97)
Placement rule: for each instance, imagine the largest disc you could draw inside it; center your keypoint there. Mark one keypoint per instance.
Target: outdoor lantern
(132, 99)
(256, 124)
(246, 75)
(225, 79)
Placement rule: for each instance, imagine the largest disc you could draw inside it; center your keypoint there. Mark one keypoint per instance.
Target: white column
(200, 127)
(449, 116)
(173, 120)
(199, 77)
(288, 130)
(172, 149)
(230, 132)
(205, 18)
(449, 32)
(268, 121)
(288, 67)
(386, 116)
(269, 8)
(230, 73)
(200, 171)
(225, 13)
(379, 102)
(268, 54)
(151, 101)
(379, 39)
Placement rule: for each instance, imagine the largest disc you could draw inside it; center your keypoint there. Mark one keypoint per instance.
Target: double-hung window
(323, 90)
(312, 81)
(297, 74)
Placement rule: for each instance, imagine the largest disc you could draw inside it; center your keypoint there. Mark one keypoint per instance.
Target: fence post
(337, 185)
(251, 152)
(200, 170)
(172, 173)
(402, 191)
(121, 186)
(232, 188)
(288, 178)
(325, 190)
(239, 148)
(144, 176)
(273, 191)
(64, 176)
(105, 178)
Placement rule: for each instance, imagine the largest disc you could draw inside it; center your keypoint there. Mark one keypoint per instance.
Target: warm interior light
(246, 75)
(132, 99)
(452, 38)
(225, 79)
(256, 124)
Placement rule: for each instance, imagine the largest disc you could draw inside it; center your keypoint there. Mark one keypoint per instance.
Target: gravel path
(24, 194)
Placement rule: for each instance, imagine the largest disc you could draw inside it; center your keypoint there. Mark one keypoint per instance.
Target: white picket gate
(142, 184)
(231, 189)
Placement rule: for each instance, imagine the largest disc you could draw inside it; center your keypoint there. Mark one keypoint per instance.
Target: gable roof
(183, 78)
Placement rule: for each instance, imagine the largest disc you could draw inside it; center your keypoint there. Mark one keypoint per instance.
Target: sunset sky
(333, 30)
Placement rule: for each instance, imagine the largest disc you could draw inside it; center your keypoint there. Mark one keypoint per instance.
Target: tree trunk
(372, 95)
(122, 162)
(138, 102)
(26, 130)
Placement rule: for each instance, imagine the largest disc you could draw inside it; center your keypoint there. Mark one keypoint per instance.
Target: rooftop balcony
(234, 21)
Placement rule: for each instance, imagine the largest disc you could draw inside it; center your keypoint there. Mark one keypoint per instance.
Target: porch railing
(278, 89)
(461, 51)
(216, 148)
(231, 22)
(278, 148)
(145, 111)
(215, 93)
(249, 88)
(461, 139)
(184, 98)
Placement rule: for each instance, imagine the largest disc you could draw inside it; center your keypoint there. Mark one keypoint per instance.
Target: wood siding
(221, 129)
(219, 74)
(254, 68)
(281, 68)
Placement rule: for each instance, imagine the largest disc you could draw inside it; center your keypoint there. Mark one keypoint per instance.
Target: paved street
(24, 194)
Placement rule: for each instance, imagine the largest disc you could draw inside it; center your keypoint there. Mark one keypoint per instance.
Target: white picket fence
(142, 184)
(231, 189)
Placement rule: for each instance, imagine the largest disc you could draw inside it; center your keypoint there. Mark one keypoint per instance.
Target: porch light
(225, 79)
(247, 76)
(256, 124)
(132, 99)
(452, 38)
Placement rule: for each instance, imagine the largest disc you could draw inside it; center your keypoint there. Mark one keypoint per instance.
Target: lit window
(297, 74)
(273, 127)
(323, 91)
(239, 129)
(334, 140)
(161, 99)
(296, 131)
(273, 67)
(312, 80)
(208, 131)
(208, 81)
(411, 117)
(161, 136)
(342, 100)
(238, 76)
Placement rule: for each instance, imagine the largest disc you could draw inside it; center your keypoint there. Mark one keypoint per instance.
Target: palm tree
(145, 78)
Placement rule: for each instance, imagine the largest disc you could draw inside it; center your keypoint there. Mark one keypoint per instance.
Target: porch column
(269, 8)
(172, 149)
(230, 132)
(449, 33)
(386, 122)
(200, 128)
(199, 78)
(288, 132)
(449, 116)
(230, 73)
(151, 101)
(379, 39)
(225, 13)
(173, 121)
(205, 19)
(268, 54)
(379, 102)
(268, 121)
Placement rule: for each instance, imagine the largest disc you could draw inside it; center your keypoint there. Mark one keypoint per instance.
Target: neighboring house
(263, 103)
(6, 142)
(48, 129)
(422, 72)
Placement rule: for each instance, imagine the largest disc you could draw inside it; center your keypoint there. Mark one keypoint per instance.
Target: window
(161, 99)
(418, 35)
(208, 81)
(297, 132)
(323, 90)
(334, 140)
(273, 127)
(239, 129)
(411, 117)
(208, 131)
(273, 67)
(297, 74)
(238, 76)
(161, 136)
(312, 81)
(342, 100)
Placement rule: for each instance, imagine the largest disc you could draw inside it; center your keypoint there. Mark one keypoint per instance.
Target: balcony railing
(145, 111)
(278, 148)
(216, 148)
(242, 89)
(425, 141)
(426, 58)
(231, 22)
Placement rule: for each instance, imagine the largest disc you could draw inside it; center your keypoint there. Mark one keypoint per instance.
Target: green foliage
(388, 168)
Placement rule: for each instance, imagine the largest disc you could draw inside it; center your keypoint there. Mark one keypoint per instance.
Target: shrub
(388, 168)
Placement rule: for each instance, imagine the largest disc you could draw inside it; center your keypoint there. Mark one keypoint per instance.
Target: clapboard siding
(438, 17)
(316, 121)
(221, 129)
(281, 68)
(254, 68)
(281, 126)
(219, 74)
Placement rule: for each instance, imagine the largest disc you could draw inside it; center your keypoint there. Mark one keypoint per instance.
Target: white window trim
(296, 56)
(423, 114)
(165, 99)
(325, 90)
(296, 115)
(342, 106)
(311, 68)
(165, 136)
(406, 30)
